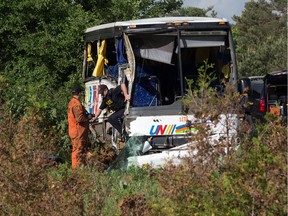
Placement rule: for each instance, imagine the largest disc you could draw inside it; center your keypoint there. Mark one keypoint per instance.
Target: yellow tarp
(99, 69)
(89, 52)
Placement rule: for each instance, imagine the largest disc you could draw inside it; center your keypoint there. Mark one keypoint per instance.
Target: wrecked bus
(154, 57)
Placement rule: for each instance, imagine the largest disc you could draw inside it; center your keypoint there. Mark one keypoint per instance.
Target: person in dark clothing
(245, 105)
(114, 99)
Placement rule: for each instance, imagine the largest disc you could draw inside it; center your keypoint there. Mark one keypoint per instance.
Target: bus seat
(147, 89)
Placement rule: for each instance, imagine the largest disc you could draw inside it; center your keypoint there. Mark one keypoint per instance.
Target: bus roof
(151, 25)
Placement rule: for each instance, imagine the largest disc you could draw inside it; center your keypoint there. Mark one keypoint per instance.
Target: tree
(119, 10)
(41, 57)
(41, 42)
(260, 34)
(193, 11)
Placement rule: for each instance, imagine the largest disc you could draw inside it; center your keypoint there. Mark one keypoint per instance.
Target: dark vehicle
(255, 85)
(274, 93)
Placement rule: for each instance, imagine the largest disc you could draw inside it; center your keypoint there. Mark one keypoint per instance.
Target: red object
(262, 105)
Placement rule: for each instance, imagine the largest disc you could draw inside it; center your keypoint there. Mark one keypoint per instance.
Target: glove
(90, 116)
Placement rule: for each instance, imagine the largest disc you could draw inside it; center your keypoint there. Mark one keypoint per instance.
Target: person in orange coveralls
(78, 127)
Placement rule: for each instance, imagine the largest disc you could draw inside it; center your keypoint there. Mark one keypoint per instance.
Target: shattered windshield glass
(135, 146)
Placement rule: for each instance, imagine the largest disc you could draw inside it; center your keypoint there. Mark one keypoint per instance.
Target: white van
(155, 56)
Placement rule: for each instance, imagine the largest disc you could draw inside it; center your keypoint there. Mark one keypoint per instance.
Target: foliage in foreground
(230, 178)
(252, 182)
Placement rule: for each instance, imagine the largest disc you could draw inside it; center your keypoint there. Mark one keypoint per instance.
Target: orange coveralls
(78, 128)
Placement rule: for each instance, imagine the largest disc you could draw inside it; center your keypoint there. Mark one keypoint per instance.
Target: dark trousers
(248, 118)
(116, 118)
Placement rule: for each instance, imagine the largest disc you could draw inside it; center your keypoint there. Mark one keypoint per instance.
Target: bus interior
(158, 68)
